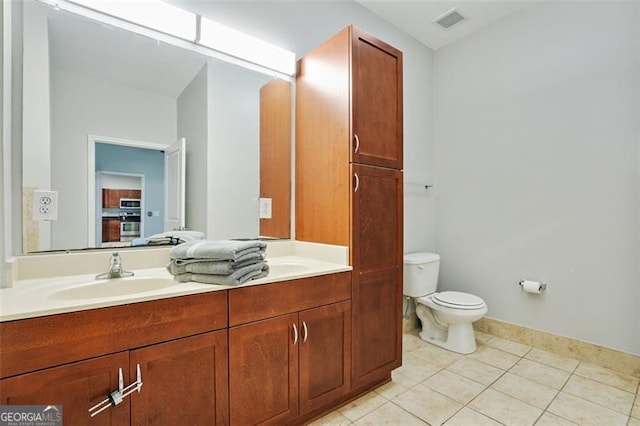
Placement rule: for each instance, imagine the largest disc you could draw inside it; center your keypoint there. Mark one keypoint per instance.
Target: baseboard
(410, 323)
(613, 359)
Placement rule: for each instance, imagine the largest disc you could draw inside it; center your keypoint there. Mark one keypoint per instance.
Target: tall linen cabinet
(349, 183)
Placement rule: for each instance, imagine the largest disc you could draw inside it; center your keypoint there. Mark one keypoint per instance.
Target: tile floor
(502, 383)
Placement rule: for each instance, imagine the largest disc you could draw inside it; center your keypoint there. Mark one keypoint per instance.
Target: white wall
(36, 144)
(300, 27)
(81, 106)
(538, 169)
(233, 151)
(192, 125)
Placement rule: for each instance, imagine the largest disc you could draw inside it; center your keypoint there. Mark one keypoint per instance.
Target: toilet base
(456, 337)
(459, 338)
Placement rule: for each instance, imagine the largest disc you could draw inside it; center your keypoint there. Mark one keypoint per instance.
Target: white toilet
(446, 317)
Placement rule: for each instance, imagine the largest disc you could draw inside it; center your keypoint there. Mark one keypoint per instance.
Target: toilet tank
(420, 274)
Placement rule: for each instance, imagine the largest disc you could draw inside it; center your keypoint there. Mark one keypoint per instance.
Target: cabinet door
(377, 218)
(377, 275)
(111, 198)
(325, 355)
(185, 381)
(377, 101)
(77, 387)
(263, 371)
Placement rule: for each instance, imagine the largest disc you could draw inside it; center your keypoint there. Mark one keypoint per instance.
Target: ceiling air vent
(449, 19)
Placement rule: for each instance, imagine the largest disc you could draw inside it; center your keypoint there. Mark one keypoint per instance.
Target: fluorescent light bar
(153, 14)
(243, 46)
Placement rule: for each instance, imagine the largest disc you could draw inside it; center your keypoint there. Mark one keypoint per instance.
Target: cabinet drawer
(36, 343)
(268, 300)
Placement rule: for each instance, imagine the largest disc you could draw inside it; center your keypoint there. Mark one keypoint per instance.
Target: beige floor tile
(332, 419)
(362, 406)
(411, 342)
(417, 365)
(393, 388)
(482, 338)
(389, 414)
(508, 346)
(505, 409)
(454, 386)
(531, 392)
(427, 404)
(476, 371)
(609, 377)
(584, 412)
(552, 360)
(405, 378)
(605, 395)
(550, 419)
(436, 355)
(468, 417)
(633, 422)
(495, 357)
(540, 373)
(635, 411)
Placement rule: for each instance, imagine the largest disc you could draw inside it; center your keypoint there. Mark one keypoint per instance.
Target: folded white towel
(217, 250)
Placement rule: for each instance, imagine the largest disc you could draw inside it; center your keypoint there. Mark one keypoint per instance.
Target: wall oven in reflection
(129, 230)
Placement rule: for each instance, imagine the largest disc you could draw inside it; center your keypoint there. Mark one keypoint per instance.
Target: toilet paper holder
(541, 285)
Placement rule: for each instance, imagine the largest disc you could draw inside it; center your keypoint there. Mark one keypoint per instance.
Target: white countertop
(39, 297)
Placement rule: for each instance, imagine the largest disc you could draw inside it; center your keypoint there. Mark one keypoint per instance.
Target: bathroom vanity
(275, 351)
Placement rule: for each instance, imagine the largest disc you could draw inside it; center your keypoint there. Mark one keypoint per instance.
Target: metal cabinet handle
(295, 334)
(355, 175)
(355, 151)
(118, 395)
(305, 332)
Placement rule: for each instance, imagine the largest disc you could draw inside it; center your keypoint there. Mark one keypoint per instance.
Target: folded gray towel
(241, 276)
(213, 267)
(252, 256)
(217, 250)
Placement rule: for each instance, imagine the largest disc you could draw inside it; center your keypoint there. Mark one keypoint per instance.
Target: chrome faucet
(115, 269)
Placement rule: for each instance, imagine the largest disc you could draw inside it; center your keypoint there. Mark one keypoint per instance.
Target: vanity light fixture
(173, 25)
(234, 43)
(155, 14)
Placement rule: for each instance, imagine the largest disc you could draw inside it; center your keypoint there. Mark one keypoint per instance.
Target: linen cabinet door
(377, 101)
(76, 387)
(185, 381)
(377, 274)
(263, 371)
(325, 355)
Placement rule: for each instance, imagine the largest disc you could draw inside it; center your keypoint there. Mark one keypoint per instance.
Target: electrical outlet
(265, 208)
(45, 205)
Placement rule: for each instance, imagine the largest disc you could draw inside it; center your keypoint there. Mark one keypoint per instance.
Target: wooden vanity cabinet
(76, 387)
(289, 349)
(185, 382)
(73, 359)
(349, 183)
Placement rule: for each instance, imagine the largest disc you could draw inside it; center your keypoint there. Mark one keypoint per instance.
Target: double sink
(131, 286)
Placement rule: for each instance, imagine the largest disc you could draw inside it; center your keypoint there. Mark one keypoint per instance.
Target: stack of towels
(224, 262)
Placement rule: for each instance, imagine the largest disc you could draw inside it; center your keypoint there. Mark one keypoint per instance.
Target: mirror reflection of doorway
(129, 196)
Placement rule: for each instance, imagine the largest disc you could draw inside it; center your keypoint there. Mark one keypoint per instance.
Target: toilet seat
(457, 300)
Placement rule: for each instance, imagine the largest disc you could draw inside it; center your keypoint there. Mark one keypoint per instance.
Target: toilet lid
(457, 299)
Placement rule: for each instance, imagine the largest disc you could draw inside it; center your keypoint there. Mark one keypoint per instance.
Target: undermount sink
(112, 288)
(287, 267)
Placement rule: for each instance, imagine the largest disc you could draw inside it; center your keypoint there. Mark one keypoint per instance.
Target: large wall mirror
(101, 108)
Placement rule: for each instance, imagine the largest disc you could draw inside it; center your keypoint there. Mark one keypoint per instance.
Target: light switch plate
(45, 205)
(265, 208)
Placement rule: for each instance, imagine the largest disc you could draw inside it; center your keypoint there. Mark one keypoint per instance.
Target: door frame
(91, 174)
